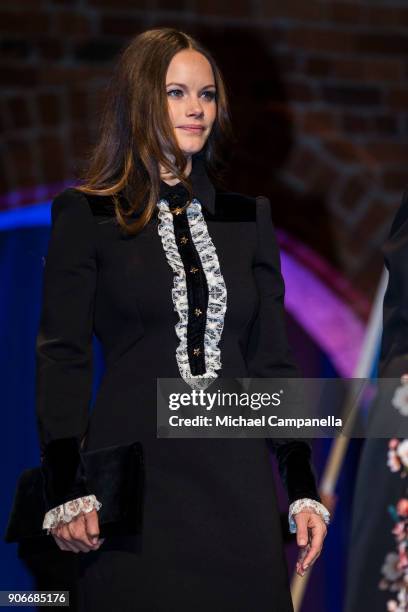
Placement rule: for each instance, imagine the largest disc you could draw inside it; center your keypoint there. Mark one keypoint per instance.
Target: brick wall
(318, 91)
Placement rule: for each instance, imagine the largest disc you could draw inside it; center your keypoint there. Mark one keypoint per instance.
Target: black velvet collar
(217, 205)
(203, 189)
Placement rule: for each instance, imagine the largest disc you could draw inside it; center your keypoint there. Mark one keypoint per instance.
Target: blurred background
(319, 100)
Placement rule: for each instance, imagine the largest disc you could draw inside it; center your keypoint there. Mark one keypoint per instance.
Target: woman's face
(191, 96)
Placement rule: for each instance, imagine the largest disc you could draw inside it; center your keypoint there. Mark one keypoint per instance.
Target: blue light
(26, 216)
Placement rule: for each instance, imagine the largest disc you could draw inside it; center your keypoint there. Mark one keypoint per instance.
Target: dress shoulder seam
(67, 197)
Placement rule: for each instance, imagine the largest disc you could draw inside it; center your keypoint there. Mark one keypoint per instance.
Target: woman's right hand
(81, 534)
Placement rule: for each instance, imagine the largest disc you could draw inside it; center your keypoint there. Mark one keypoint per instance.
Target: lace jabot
(199, 293)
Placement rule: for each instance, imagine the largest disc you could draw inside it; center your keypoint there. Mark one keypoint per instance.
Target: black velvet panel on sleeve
(63, 472)
(295, 468)
(269, 354)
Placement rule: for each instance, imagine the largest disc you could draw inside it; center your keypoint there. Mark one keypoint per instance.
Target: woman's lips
(192, 129)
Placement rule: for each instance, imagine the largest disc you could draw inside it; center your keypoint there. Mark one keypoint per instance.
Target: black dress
(211, 537)
(371, 536)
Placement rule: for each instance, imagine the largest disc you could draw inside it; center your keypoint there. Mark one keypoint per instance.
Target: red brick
(382, 44)
(18, 76)
(286, 62)
(23, 4)
(174, 5)
(386, 124)
(319, 66)
(355, 190)
(299, 91)
(18, 112)
(363, 124)
(321, 39)
(387, 69)
(323, 180)
(238, 8)
(363, 241)
(71, 75)
(120, 25)
(301, 11)
(383, 16)
(12, 49)
(124, 4)
(98, 50)
(374, 69)
(395, 179)
(376, 220)
(80, 140)
(351, 13)
(368, 276)
(4, 122)
(383, 151)
(281, 112)
(49, 109)
(300, 163)
(341, 149)
(352, 95)
(318, 122)
(77, 104)
(355, 123)
(70, 23)
(29, 23)
(340, 231)
(402, 16)
(21, 158)
(397, 98)
(52, 157)
(5, 184)
(49, 48)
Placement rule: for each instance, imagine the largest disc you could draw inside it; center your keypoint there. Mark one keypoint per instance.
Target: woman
(149, 226)
(371, 537)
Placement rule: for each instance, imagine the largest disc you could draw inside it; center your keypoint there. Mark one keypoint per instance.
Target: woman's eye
(173, 91)
(210, 94)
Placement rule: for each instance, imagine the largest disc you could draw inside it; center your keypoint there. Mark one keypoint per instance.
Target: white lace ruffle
(66, 512)
(217, 292)
(306, 504)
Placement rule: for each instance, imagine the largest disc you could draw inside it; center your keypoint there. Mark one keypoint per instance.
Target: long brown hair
(136, 134)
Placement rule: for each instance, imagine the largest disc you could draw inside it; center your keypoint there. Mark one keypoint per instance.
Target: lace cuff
(66, 512)
(309, 504)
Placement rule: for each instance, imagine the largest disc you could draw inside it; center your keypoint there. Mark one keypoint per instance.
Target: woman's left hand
(310, 533)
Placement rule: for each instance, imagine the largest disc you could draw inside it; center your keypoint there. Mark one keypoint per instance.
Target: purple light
(326, 318)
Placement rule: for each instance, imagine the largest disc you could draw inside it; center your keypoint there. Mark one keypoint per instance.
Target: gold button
(196, 351)
(183, 240)
(197, 312)
(177, 211)
(193, 270)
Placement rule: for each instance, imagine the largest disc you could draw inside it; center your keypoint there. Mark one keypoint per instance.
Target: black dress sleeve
(394, 347)
(269, 354)
(64, 346)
